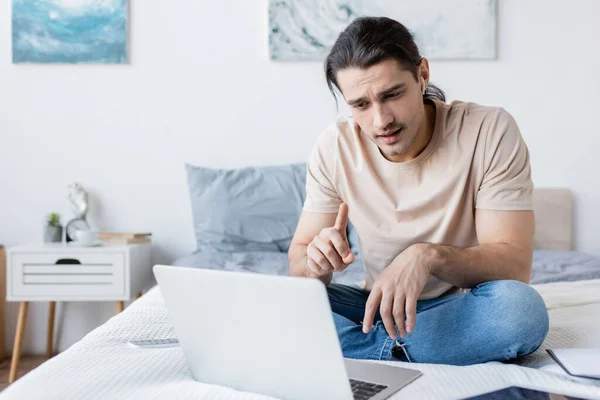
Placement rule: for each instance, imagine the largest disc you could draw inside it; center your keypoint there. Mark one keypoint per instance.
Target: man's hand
(397, 289)
(329, 250)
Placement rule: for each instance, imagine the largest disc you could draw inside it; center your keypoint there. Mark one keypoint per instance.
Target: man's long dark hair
(370, 40)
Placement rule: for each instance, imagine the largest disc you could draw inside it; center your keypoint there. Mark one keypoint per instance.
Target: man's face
(387, 103)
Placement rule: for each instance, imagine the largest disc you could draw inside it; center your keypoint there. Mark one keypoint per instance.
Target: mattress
(103, 366)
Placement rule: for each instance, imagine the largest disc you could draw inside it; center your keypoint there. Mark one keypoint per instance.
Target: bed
(103, 366)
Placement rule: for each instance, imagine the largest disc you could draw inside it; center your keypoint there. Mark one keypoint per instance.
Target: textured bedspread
(103, 366)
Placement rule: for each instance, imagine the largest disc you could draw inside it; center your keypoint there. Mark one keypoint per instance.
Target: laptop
(268, 334)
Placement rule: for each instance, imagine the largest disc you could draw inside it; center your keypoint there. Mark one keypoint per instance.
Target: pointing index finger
(341, 221)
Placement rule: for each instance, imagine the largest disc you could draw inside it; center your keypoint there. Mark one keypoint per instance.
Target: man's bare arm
(505, 251)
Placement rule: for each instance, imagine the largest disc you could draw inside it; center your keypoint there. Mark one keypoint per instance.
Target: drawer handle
(68, 261)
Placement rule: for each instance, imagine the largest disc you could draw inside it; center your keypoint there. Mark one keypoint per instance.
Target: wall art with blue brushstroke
(444, 29)
(69, 31)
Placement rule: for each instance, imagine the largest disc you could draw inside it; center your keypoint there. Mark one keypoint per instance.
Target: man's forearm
(298, 264)
(469, 267)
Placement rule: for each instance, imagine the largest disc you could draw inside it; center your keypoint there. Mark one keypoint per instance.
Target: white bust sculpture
(78, 199)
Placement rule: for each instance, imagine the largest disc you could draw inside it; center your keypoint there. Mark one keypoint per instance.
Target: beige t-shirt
(476, 158)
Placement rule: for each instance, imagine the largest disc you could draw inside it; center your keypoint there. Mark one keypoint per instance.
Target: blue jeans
(495, 321)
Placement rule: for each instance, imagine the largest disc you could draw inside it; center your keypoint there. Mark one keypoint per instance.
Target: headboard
(553, 210)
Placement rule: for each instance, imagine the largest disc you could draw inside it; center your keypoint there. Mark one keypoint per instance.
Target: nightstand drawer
(76, 275)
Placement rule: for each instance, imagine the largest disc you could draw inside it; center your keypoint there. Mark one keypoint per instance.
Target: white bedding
(103, 366)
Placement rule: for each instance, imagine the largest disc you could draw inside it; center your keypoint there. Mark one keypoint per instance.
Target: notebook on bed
(578, 362)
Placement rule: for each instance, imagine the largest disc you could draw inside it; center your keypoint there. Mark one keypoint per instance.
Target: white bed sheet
(103, 366)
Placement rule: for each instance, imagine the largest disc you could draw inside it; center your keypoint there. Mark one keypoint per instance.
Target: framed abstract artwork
(69, 31)
(443, 29)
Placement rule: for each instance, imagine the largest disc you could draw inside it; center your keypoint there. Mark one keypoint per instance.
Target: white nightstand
(67, 272)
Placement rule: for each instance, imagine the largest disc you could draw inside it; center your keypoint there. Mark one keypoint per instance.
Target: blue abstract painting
(69, 31)
(443, 29)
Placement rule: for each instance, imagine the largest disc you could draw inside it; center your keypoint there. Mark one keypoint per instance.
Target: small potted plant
(53, 229)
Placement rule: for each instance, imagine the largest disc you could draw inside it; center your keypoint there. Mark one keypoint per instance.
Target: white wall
(200, 88)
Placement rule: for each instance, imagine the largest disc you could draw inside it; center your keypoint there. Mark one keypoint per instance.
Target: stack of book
(123, 237)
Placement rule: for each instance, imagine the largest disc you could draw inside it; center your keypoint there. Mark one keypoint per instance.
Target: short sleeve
(506, 183)
(321, 194)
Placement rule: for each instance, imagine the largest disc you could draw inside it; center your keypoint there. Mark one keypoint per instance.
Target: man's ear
(424, 71)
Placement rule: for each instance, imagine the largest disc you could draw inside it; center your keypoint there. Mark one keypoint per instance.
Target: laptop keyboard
(365, 390)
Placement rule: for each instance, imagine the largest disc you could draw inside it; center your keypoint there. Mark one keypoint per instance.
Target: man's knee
(521, 316)
(518, 296)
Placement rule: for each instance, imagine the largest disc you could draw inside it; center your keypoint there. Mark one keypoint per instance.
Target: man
(441, 197)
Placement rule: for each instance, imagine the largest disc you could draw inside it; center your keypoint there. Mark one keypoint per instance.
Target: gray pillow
(246, 209)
